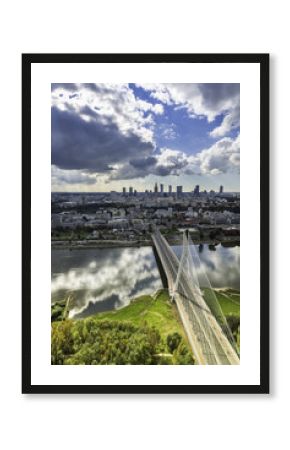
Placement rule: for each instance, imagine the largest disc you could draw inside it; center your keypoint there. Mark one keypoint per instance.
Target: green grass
(156, 312)
(149, 312)
(99, 339)
(229, 300)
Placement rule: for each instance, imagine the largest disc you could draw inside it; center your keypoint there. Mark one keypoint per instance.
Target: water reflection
(105, 279)
(221, 264)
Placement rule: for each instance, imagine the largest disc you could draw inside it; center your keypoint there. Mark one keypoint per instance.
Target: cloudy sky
(107, 136)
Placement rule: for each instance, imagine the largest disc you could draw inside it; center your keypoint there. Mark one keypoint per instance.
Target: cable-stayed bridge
(206, 327)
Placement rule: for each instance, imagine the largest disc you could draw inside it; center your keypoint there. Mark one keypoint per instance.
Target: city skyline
(161, 189)
(169, 189)
(106, 137)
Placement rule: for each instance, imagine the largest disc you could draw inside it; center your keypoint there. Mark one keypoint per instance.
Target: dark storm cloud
(72, 87)
(163, 171)
(152, 165)
(214, 95)
(104, 129)
(92, 145)
(143, 163)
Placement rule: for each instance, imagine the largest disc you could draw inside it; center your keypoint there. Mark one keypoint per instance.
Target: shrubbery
(182, 356)
(173, 341)
(236, 334)
(57, 311)
(103, 342)
(92, 342)
(234, 324)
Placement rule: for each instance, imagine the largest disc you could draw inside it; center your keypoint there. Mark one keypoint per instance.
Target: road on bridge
(209, 343)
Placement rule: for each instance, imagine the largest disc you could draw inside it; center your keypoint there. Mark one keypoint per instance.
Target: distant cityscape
(179, 190)
(130, 216)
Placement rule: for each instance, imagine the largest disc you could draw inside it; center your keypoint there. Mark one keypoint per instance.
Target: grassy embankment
(147, 331)
(229, 300)
(163, 315)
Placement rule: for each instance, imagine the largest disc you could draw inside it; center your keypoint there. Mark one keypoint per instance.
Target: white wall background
(107, 422)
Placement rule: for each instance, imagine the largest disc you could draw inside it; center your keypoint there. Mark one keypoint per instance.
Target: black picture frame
(263, 61)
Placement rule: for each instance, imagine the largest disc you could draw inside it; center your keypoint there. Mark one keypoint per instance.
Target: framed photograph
(145, 245)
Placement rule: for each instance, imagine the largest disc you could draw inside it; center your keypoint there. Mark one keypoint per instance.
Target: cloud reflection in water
(105, 279)
(222, 265)
(112, 278)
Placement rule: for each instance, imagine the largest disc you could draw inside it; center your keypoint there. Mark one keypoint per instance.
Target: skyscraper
(161, 188)
(221, 189)
(124, 191)
(130, 190)
(170, 189)
(179, 191)
(156, 188)
(196, 190)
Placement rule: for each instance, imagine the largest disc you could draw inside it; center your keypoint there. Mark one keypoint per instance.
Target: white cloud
(162, 96)
(230, 122)
(206, 100)
(61, 177)
(147, 106)
(110, 103)
(158, 108)
(105, 130)
(222, 157)
(168, 131)
(171, 161)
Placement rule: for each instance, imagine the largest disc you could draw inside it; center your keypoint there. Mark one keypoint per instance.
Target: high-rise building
(161, 188)
(156, 188)
(130, 190)
(124, 191)
(170, 189)
(221, 189)
(179, 191)
(196, 190)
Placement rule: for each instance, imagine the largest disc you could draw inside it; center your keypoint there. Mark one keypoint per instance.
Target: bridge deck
(208, 341)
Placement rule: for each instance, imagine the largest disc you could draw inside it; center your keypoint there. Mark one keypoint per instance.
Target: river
(103, 279)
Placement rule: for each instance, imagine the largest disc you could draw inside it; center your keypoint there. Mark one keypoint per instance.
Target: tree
(61, 341)
(182, 356)
(173, 340)
(90, 341)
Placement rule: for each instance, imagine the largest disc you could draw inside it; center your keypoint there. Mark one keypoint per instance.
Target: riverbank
(94, 243)
(147, 331)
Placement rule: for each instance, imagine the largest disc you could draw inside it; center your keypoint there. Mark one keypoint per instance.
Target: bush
(61, 341)
(182, 356)
(57, 310)
(93, 342)
(173, 340)
(233, 322)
